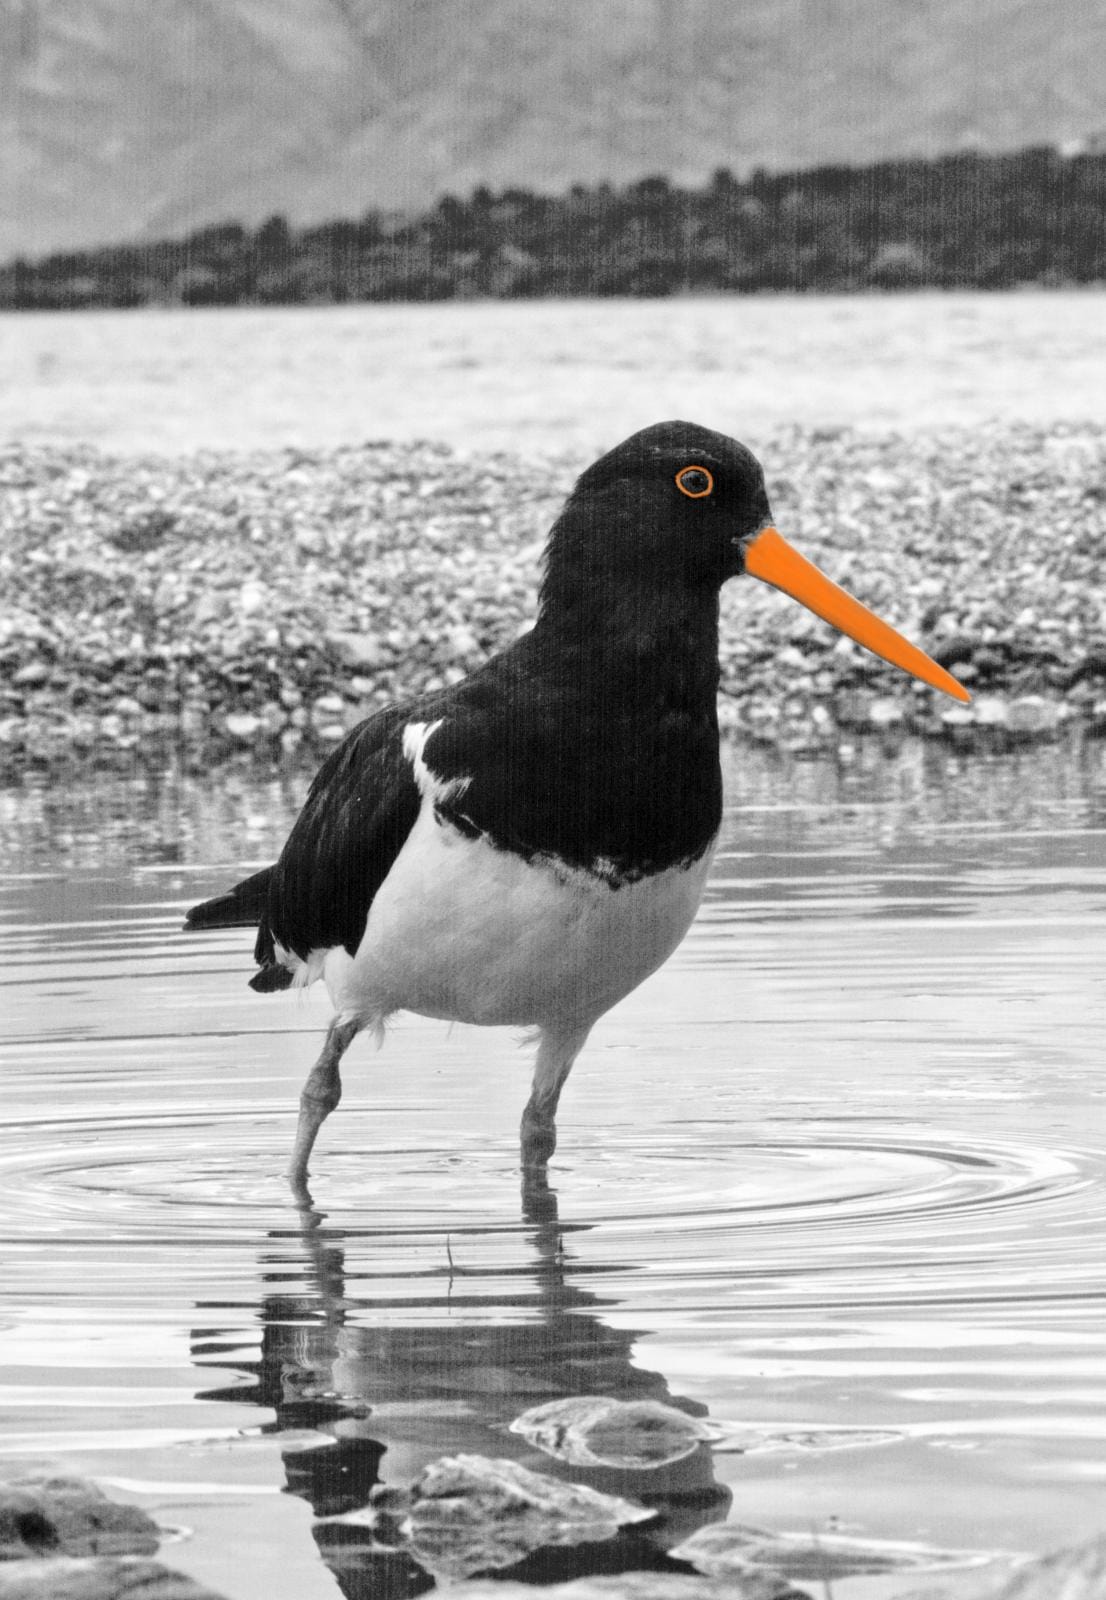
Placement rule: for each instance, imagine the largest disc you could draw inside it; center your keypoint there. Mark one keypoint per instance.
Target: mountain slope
(120, 119)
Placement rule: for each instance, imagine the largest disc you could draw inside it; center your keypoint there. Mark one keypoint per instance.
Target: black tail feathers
(271, 979)
(243, 907)
(246, 906)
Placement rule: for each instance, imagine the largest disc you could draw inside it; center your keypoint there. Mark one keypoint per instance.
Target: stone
(272, 716)
(469, 1514)
(991, 711)
(463, 642)
(1032, 713)
(593, 1431)
(72, 1517)
(30, 676)
(885, 712)
(358, 650)
(853, 707)
(989, 663)
(759, 1440)
(242, 726)
(725, 1549)
(791, 658)
(638, 1586)
(99, 1578)
(1075, 1573)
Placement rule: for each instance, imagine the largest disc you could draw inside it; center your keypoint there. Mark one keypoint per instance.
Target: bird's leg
(321, 1093)
(556, 1053)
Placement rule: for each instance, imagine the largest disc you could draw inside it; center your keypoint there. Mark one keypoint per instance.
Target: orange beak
(771, 559)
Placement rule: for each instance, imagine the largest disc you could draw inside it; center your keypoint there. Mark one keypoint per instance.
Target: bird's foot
(539, 1201)
(538, 1140)
(297, 1185)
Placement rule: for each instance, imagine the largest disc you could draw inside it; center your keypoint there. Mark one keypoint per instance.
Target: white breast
(462, 930)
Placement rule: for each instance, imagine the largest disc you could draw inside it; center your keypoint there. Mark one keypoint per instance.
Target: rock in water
(1078, 1573)
(724, 1549)
(641, 1586)
(102, 1578)
(469, 1514)
(593, 1431)
(69, 1517)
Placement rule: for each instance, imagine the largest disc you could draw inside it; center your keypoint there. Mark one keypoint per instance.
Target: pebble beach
(274, 599)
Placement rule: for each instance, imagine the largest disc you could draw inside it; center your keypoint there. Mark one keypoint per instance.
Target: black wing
(360, 809)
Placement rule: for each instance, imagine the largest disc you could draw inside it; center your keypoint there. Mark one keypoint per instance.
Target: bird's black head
(670, 508)
(652, 531)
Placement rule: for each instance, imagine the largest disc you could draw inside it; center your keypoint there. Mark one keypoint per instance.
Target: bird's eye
(695, 482)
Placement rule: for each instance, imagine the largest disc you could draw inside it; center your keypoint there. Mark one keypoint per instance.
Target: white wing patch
(432, 788)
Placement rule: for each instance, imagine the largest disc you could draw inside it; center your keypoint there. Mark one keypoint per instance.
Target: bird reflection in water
(395, 1392)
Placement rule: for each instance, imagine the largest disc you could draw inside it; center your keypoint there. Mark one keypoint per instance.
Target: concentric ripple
(686, 1219)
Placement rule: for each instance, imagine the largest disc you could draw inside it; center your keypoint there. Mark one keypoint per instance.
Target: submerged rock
(640, 1586)
(1077, 1573)
(470, 1514)
(593, 1431)
(730, 1549)
(69, 1517)
(763, 1440)
(101, 1578)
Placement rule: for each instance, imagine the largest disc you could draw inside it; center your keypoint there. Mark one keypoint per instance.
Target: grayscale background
(309, 312)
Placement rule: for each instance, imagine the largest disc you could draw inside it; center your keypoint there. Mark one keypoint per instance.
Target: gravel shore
(281, 597)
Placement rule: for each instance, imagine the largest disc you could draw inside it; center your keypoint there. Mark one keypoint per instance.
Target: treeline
(966, 220)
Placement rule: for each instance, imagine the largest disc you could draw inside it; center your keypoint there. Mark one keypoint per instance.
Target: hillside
(121, 120)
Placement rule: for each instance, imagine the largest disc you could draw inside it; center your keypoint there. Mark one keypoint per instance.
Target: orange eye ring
(695, 494)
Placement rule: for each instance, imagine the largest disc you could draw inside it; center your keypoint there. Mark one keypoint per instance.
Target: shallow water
(840, 1166)
(547, 375)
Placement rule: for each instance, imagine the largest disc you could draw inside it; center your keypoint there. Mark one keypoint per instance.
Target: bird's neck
(649, 652)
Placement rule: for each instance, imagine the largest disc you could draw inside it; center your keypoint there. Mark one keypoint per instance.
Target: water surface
(840, 1166)
(547, 375)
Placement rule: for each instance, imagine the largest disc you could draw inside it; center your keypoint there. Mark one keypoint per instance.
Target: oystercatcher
(528, 845)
